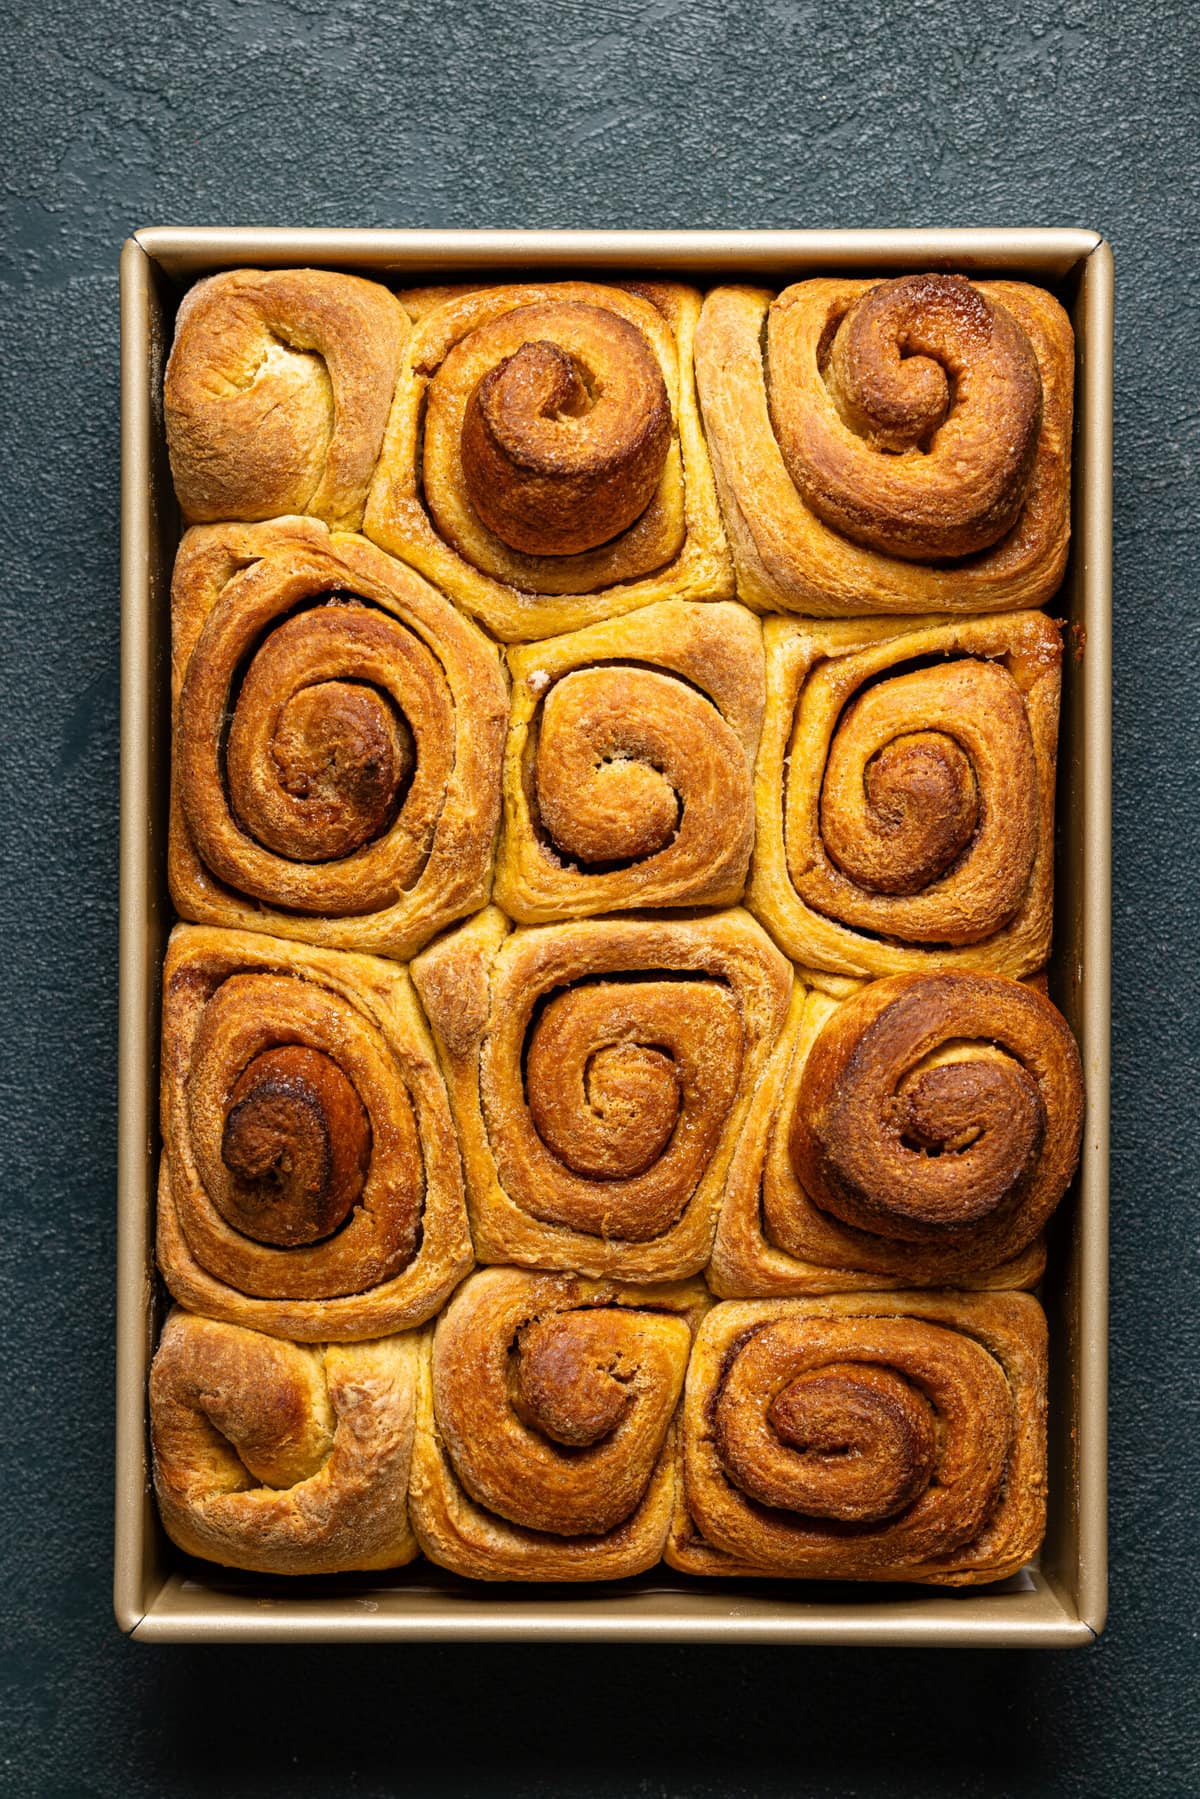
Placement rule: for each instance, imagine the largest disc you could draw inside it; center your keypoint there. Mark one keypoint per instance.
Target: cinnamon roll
(277, 393)
(627, 778)
(890, 446)
(545, 1426)
(876, 1436)
(599, 1072)
(905, 793)
(280, 1457)
(338, 734)
(311, 1184)
(920, 1131)
(544, 462)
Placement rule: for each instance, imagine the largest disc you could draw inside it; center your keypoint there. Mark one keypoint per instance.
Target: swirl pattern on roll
(544, 462)
(338, 733)
(280, 1457)
(545, 1434)
(628, 773)
(599, 1072)
(311, 1182)
(905, 794)
(885, 1436)
(890, 446)
(922, 1130)
(277, 394)
(924, 364)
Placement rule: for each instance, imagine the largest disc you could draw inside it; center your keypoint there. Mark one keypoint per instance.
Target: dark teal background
(584, 112)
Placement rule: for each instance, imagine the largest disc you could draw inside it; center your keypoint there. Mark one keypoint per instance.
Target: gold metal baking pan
(160, 1596)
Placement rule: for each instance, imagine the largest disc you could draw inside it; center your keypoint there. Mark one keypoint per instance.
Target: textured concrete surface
(610, 112)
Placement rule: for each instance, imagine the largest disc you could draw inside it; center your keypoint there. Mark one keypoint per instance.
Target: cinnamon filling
(560, 454)
(297, 1142)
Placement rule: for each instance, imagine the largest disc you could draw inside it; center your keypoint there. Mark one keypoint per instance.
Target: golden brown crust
(555, 464)
(879, 1436)
(628, 772)
(356, 802)
(556, 390)
(599, 1072)
(904, 793)
(277, 392)
(229, 999)
(545, 1439)
(283, 1458)
(787, 557)
(919, 1131)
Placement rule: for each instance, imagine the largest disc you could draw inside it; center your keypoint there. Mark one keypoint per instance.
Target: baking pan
(158, 1594)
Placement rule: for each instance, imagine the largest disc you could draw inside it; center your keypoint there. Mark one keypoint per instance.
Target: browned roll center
(911, 425)
(940, 1103)
(628, 1085)
(562, 449)
(343, 750)
(863, 1442)
(924, 824)
(317, 767)
(612, 743)
(946, 1109)
(893, 356)
(606, 1111)
(922, 798)
(806, 1429)
(297, 1142)
(572, 1381)
(341, 743)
